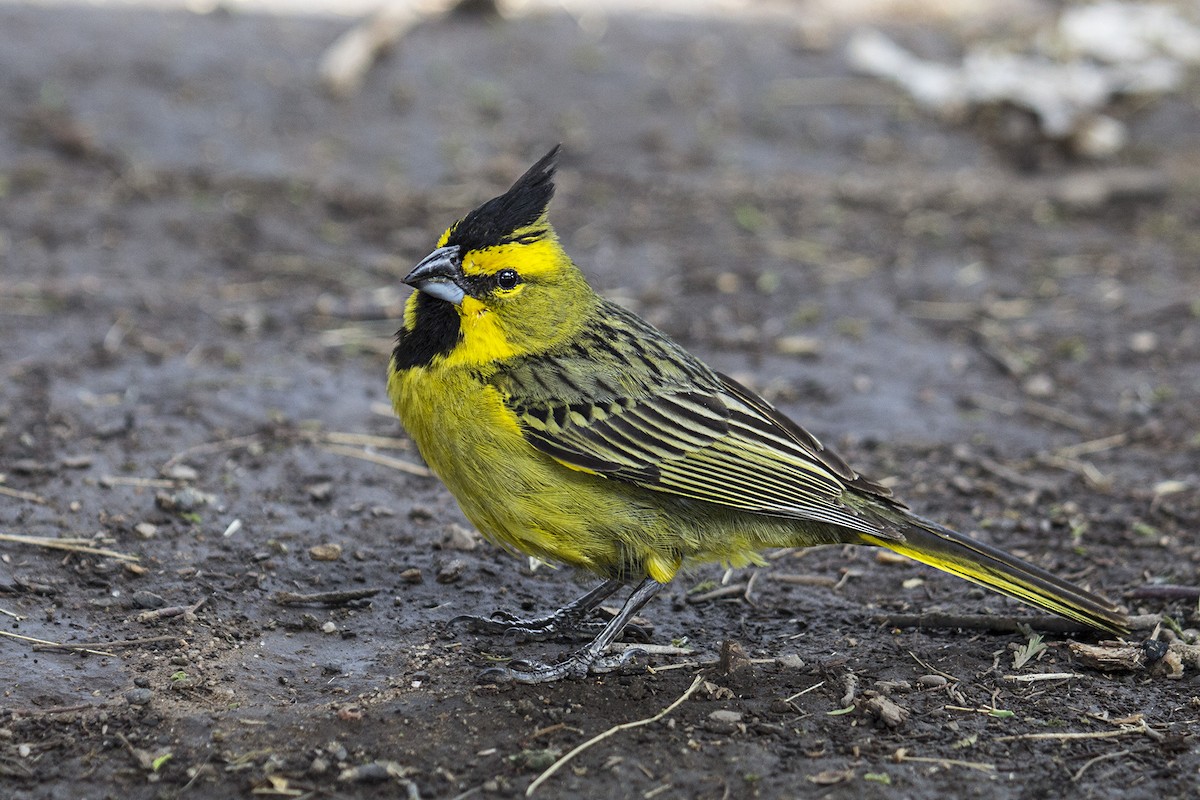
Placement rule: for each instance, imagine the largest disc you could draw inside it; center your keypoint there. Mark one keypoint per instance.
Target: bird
(573, 431)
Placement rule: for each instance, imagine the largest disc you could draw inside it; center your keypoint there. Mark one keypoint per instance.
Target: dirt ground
(200, 263)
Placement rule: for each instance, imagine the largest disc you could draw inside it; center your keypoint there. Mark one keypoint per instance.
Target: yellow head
(497, 286)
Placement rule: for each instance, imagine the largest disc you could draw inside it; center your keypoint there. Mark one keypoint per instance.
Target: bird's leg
(579, 663)
(566, 619)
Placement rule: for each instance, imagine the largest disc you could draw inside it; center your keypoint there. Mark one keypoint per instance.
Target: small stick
(750, 588)
(208, 448)
(344, 65)
(138, 481)
(366, 440)
(65, 544)
(1043, 676)
(984, 622)
(823, 581)
(652, 649)
(376, 458)
(323, 598)
(22, 495)
(1064, 737)
(1102, 757)
(934, 669)
(170, 611)
(35, 640)
(116, 645)
(553, 768)
(732, 590)
(1165, 591)
(39, 712)
(12, 614)
(900, 757)
(804, 691)
(1093, 446)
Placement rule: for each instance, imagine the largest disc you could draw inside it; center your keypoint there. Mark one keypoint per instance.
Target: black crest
(495, 221)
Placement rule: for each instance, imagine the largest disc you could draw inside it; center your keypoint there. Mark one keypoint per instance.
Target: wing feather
(625, 402)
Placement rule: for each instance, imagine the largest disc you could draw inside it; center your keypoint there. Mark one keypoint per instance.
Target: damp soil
(200, 263)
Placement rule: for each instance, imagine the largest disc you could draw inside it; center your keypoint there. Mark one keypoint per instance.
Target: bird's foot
(540, 629)
(577, 665)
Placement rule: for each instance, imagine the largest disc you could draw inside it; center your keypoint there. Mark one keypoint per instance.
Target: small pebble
(325, 552)
(182, 472)
(145, 599)
(457, 537)
(791, 661)
(1143, 342)
(320, 492)
(329, 627)
(451, 571)
(146, 530)
(723, 721)
(138, 697)
(798, 345)
(411, 575)
(931, 681)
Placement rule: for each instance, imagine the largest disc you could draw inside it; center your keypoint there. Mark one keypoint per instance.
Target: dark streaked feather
(639, 408)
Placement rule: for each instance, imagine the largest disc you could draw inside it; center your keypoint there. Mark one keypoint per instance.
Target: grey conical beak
(439, 275)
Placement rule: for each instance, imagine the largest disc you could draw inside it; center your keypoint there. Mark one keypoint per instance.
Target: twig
(984, 622)
(376, 458)
(365, 440)
(804, 580)
(323, 598)
(1102, 757)
(652, 649)
(553, 768)
(35, 640)
(900, 756)
(933, 669)
(45, 712)
(850, 682)
(209, 448)
(750, 589)
(12, 614)
(170, 611)
(72, 545)
(114, 645)
(1092, 446)
(804, 691)
(136, 480)
(344, 65)
(998, 470)
(1043, 676)
(1065, 737)
(732, 590)
(1165, 591)
(23, 495)
(1084, 469)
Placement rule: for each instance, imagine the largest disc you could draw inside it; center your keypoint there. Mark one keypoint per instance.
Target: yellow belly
(513, 494)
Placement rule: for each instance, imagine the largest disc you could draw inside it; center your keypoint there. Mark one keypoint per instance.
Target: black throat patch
(435, 333)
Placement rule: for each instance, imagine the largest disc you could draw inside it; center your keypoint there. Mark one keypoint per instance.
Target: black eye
(507, 278)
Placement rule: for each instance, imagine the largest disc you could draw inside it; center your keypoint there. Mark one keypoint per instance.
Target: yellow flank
(571, 430)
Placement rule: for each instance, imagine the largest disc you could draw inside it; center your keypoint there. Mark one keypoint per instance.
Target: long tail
(977, 562)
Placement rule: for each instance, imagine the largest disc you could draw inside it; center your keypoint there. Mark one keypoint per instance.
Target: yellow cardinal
(572, 430)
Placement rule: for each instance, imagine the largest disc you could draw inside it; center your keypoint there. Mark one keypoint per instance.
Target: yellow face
(513, 298)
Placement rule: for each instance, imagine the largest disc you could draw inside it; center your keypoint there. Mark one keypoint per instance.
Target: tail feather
(980, 563)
